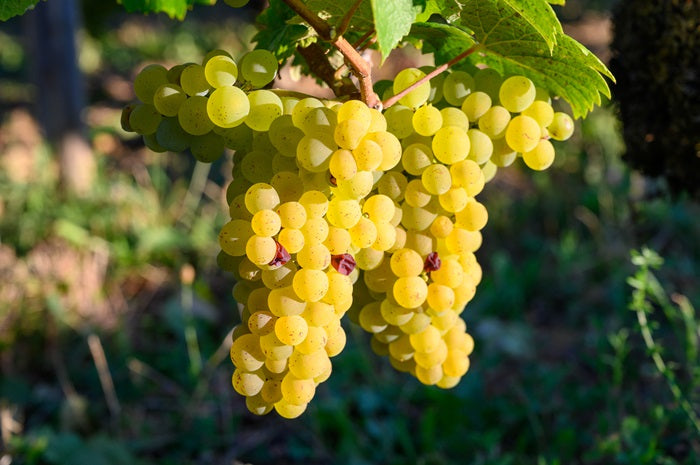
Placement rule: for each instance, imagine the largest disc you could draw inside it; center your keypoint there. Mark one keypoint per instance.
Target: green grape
(480, 146)
(317, 121)
(236, 3)
(436, 83)
(279, 276)
(168, 98)
(291, 329)
(315, 203)
(193, 80)
(258, 67)
(473, 217)
(416, 195)
(314, 152)
(228, 106)
(410, 292)
(292, 215)
(417, 218)
(392, 184)
(363, 233)
(441, 227)
(488, 80)
(151, 141)
(207, 148)
(314, 257)
(245, 383)
(238, 138)
(348, 133)
(416, 158)
(475, 105)
(355, 110)
(302, 108)
(523, 133)
(452, 116)
(503, 155)
(371, 319)
(517, 93)
(175, 72)
(436, 179)
(284, 136)
(377, 121)
(266, 223)
(246, 354)
(426, 340)
(457, 85)
(289, 103)
(265, 107)
(296, 392)
(368, 258)
(287, 184)
(220, 71)
(343, 213)
(233, 237)
(257, 166)
(427, 120)
(541, 157)
(541, 112)
(379, 208)
(368, 155)
(493, 123)
(562, 126)
(315, 230)
(489, 169)
(406, 262)
(342, 165)
(148, 80)
(144, 119)
(171, 136)
(406, 78)
(391, 148)
(261, 250)
(454, 199)
(214, 53)
(124, 119)
(261, 196)
(468, 175)
(193, 117)
(399, 121)
(357, 187)
(451, 144)
(310, 285)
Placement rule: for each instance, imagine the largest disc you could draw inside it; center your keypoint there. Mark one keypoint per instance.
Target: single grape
(228, 107)
(523, 133)
(144, 119)
(456, 87)
(451, 144)
(258, 67)
(221, 71)
(193, 80)
(168, 98)
(562, 126)
(265, 107)
(427, 120)
(148, 80)
(406, 78)
(541, 157)
(517, 93)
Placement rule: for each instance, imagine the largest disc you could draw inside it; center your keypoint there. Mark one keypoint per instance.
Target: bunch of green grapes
(195, 106)
(339, 208)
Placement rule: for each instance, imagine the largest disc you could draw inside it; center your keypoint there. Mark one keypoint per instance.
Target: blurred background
(115, 321)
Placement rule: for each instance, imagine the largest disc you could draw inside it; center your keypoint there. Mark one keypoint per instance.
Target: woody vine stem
(361, 69)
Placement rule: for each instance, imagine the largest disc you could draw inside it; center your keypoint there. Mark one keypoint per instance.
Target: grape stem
(361, 69)
(318, 61)
(440, 69)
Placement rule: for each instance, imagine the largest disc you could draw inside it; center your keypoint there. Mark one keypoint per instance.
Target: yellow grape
(233, 237)
(541, 157)
(517, 93)
(410, 292)
(452, 116)
(416, 97)
(494, 122)
(291, 329)
(451, 144)
(221, 71)
(260, 250)
(523, 133)
(427, 120)
(436, 179)
(562, 126)
(475, 105)
(228, 107)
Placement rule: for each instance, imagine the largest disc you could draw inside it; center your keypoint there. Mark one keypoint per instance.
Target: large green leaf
(445, 41)
(176, 9)
(10, 8)
(495, 20)
(392, 21)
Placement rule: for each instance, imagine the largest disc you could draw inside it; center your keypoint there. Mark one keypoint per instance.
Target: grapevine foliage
(10, 8)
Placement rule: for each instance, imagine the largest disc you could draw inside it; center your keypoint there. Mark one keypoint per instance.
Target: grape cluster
(197, 107)
(339, 208)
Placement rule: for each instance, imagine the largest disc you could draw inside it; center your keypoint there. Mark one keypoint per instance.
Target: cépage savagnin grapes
(339, 207)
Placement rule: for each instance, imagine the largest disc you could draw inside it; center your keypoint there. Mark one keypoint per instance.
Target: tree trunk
(60, 91)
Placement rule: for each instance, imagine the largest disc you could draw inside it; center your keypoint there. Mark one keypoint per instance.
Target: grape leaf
(175, 9)
(334, 10)
(445, 41)
(277, 33)
(492, 20)
(392, 21)
(10, 8)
